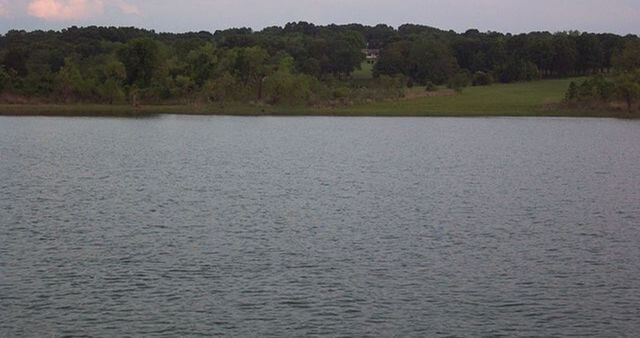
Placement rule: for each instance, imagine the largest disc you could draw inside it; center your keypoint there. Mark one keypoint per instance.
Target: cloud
(60, 10)
(619, 16)
(4, 11)
(65, 9)
(127, 8)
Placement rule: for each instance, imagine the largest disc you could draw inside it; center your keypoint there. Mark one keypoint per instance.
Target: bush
(341, 92)
(587, 90)
(112, 92)
(458, 82)
(391, 86)
(572, 92)
(604, 88)
(284, 87)
(482, 79)
(4, 79)
(627, 88)
(182, 87)
(225, 88)
(410, 83)
(599, 90)
(69, 84)
(430, 87)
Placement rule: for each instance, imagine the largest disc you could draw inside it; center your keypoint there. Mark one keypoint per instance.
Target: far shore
(90, 110)
(538, 98)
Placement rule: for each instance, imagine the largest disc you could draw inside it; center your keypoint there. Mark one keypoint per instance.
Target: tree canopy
(115, 64)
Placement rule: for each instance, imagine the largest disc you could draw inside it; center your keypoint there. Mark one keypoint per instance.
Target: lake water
(267, 226)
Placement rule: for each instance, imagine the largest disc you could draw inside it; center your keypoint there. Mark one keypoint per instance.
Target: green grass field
(364, 73)
(539, 98)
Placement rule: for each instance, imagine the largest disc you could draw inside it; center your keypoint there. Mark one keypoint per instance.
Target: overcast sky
(617, 16)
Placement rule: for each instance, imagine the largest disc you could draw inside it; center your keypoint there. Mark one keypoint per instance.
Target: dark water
(181, 226)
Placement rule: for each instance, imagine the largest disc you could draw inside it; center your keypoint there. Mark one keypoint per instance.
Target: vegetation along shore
(304, 69)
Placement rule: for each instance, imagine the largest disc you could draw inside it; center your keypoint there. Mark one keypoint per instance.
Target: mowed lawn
(519, 99)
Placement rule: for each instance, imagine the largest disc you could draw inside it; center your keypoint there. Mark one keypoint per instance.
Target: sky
(514, 16)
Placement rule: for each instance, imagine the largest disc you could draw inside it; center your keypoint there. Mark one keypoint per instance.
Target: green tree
(628, 88)
(431, 60)
(628, 59)
(4, 79)
(422, 61)
(590, 55)
(249, 64)
(541, 53)
(113, 76)
(391, 86)
(114, 69)
(183, 87)
(224, 88)
(482, 79)
(393, 59)
(16, 59)
(202, 63)
(572, 92)
(69, 83)
(564, 56)
(141, 58)
(112, 91)
(458, 82)
(283, 86)
(162, 66)
(344, 52)
(518, 70)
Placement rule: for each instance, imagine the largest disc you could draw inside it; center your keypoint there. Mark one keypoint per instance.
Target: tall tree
(628, 58)
(141, 58)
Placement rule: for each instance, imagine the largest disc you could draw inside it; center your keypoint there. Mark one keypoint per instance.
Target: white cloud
(60, 10)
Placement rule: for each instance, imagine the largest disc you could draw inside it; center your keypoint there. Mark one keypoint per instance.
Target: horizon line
(257, 30)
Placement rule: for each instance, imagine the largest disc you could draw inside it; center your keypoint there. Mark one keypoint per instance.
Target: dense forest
(299, 63)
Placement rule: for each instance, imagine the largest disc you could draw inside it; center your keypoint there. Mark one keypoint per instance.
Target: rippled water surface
(179, 226)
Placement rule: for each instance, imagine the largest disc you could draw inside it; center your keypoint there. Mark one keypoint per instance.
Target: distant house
(372, 55)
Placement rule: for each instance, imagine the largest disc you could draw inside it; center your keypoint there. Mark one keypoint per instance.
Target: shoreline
(92, 110)
(541, 98)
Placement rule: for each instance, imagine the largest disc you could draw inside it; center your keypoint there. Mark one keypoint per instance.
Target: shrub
(112, 92)
(4, 79)
(391, 86)
(285, 87)
(627, 88)
(410, 83)
(430, 87)
(572, 92)
(340, 92)
(482, 79)
(598, 90)
(458, 82)
(225, 88)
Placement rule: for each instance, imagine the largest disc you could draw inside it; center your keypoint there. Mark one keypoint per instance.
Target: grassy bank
(539, 98)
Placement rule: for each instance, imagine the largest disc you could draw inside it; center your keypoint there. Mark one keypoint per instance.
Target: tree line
(297, 63)
(600, 92)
